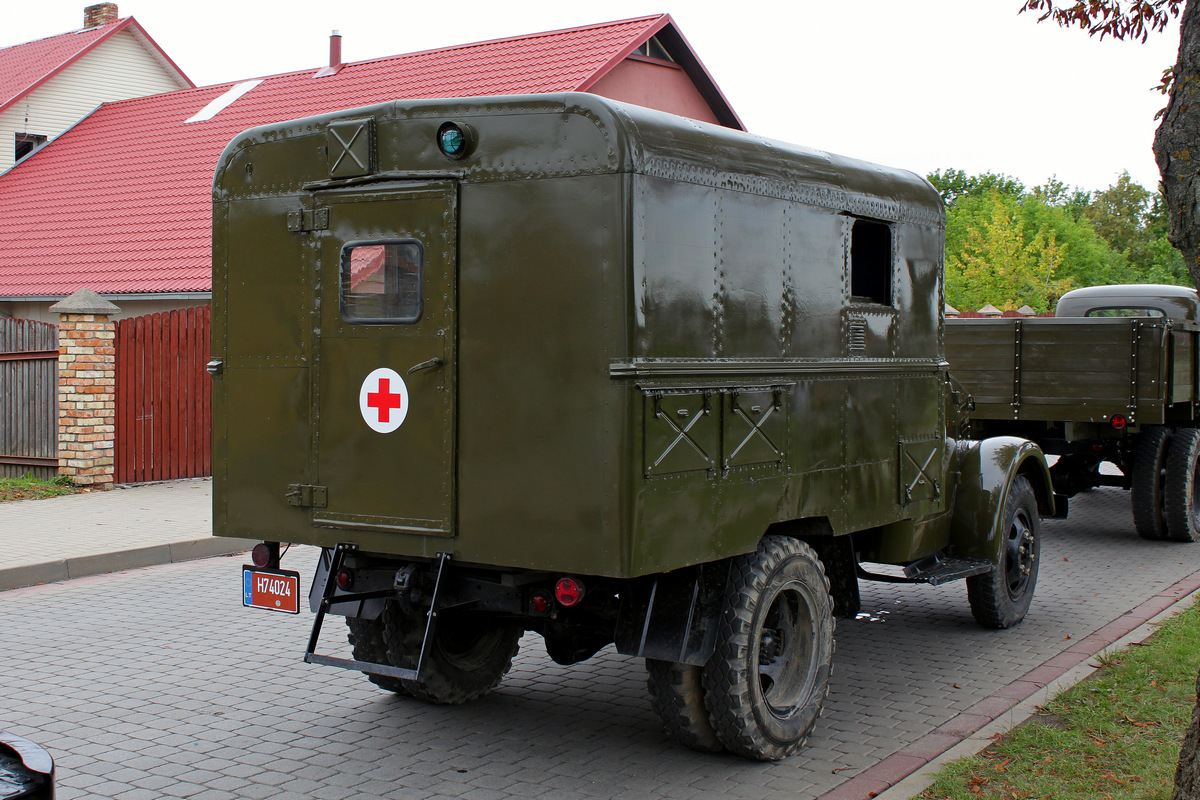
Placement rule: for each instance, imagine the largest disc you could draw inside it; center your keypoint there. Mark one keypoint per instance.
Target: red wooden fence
(164, 396)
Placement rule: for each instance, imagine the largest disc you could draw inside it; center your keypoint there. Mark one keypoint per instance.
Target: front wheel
(765, 684)
(1000, 598)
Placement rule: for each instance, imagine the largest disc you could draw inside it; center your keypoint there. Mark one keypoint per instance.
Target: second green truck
(1112, 377)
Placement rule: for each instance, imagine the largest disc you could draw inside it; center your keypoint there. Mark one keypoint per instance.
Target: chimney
(335, 50)
(100, 14)
(335, 57)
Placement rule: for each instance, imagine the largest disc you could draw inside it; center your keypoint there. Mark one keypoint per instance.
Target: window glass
(1129, 311)
(381, 282)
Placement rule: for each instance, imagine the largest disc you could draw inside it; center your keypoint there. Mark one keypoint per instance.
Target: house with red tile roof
(48, 85)
(121, 203)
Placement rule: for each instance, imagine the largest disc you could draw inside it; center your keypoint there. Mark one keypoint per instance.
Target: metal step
(940, 568)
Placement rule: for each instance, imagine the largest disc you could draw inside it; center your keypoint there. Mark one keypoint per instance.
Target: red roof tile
(24, 67)
(121, 203)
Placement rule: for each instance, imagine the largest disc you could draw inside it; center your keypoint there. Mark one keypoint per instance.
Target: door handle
(432, 363)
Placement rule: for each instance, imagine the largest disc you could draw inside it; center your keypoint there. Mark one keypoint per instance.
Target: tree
(1179, 131)
(955, 183)
(999, 264)
(1133, 221)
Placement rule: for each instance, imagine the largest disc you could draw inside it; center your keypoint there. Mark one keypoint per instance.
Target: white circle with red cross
(383, 400)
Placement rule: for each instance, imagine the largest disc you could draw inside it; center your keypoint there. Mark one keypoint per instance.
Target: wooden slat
(164, 413)
(28, 398)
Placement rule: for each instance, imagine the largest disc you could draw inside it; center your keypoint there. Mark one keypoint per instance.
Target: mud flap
(673, 616)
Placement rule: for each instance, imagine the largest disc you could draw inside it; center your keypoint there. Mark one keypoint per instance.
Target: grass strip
(1114, 736)
(30, 488)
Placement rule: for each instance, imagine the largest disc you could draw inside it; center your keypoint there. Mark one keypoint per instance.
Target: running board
(934, 570)
(328, 599)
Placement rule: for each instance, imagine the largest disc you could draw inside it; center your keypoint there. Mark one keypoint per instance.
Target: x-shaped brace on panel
(755, 428)
(681, 434)
(346, 147)
(921, 475)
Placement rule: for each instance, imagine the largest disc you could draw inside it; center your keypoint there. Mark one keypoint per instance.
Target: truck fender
(984, 472)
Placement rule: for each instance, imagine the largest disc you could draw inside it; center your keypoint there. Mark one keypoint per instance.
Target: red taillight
(568, 591)
(1118, 421)
(261, 554)
(345, 580)
(539, 603)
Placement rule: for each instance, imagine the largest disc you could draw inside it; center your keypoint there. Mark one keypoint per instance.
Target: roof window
(653, 48)
(26, 143)
(223, 102)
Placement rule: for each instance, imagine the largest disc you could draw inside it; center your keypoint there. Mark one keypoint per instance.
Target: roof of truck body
(634, 139)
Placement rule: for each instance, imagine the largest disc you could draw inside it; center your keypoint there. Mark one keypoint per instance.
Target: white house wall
(117, 69)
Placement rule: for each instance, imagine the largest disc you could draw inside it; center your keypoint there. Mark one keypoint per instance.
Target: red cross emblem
(383, 400)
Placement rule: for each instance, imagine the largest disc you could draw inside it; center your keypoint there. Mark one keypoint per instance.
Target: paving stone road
(156, 683)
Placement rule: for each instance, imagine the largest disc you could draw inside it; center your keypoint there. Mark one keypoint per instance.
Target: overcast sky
(918, 84)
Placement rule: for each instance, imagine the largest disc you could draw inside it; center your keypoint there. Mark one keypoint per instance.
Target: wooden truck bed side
(1084, 370)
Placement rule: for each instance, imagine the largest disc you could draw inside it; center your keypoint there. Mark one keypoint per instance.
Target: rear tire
(1148, 482)
(768, 678)
(677, 696)
(1001, 598)
(1182, 509)
(467, 657)
(366, 639)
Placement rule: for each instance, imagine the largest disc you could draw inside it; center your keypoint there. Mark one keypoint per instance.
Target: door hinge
(304, 220)
(304, 496)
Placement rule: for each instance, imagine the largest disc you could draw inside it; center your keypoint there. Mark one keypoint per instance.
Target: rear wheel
(467, 657)
(677, 695)
(366, 639)
(765, 684)
(1182, 509)
(1000, 598)
(1148, 481)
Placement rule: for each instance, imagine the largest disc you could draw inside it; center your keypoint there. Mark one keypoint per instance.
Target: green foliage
(1011, 246)
(999, 263)
(954, 183)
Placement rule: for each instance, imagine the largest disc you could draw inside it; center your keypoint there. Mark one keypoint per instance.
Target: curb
(100, 563)
(909, 771)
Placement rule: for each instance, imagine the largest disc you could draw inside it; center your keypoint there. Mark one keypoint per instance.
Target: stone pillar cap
(85, 301)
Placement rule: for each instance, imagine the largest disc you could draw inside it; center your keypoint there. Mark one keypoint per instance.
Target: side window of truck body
(381, 282)
(871, 261)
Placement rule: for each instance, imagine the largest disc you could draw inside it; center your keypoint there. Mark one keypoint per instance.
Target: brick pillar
(87, 371)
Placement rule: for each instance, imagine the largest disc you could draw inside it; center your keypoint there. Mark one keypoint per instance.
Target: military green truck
(557, 364)
(1113, 376)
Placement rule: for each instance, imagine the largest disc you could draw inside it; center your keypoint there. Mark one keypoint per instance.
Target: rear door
(383, 382)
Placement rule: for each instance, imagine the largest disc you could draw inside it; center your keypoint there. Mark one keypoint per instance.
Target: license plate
(271, 589)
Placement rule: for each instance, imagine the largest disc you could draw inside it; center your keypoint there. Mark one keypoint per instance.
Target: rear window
(1125, 311)
(381, 282)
